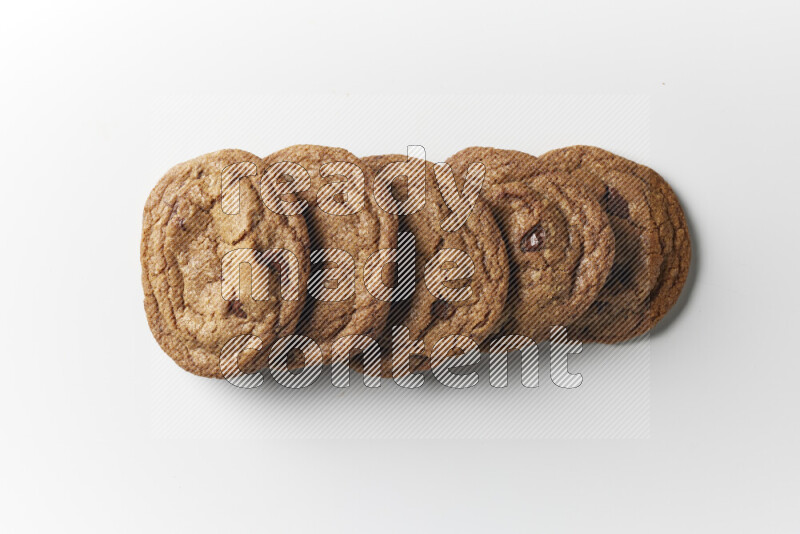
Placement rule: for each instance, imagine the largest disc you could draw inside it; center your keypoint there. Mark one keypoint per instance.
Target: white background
(79, 83)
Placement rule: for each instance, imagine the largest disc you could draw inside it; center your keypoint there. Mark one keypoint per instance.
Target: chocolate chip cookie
(559, 242)
(187, 232)
(428, 317)
(653, 249)
(330, 184)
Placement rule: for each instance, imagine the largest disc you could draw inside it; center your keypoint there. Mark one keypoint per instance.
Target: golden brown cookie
(559, 242)
(185, 235)
(343, 217)
(653, 249)
(427, 317)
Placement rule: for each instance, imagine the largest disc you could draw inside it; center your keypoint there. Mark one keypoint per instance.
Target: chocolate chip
(441, 309)
(533, 239)
(182, 223)
(235, 307)
(399, 189)
(615, 203)
(621, 274)
(275, 266)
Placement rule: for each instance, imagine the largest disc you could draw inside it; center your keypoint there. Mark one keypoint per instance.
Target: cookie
(186, 233)
(558, 239)
(427, 317)
(653, 248)
(340, 215)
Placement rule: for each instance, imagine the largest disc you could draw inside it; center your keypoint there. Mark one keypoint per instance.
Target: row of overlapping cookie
(577, 237)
